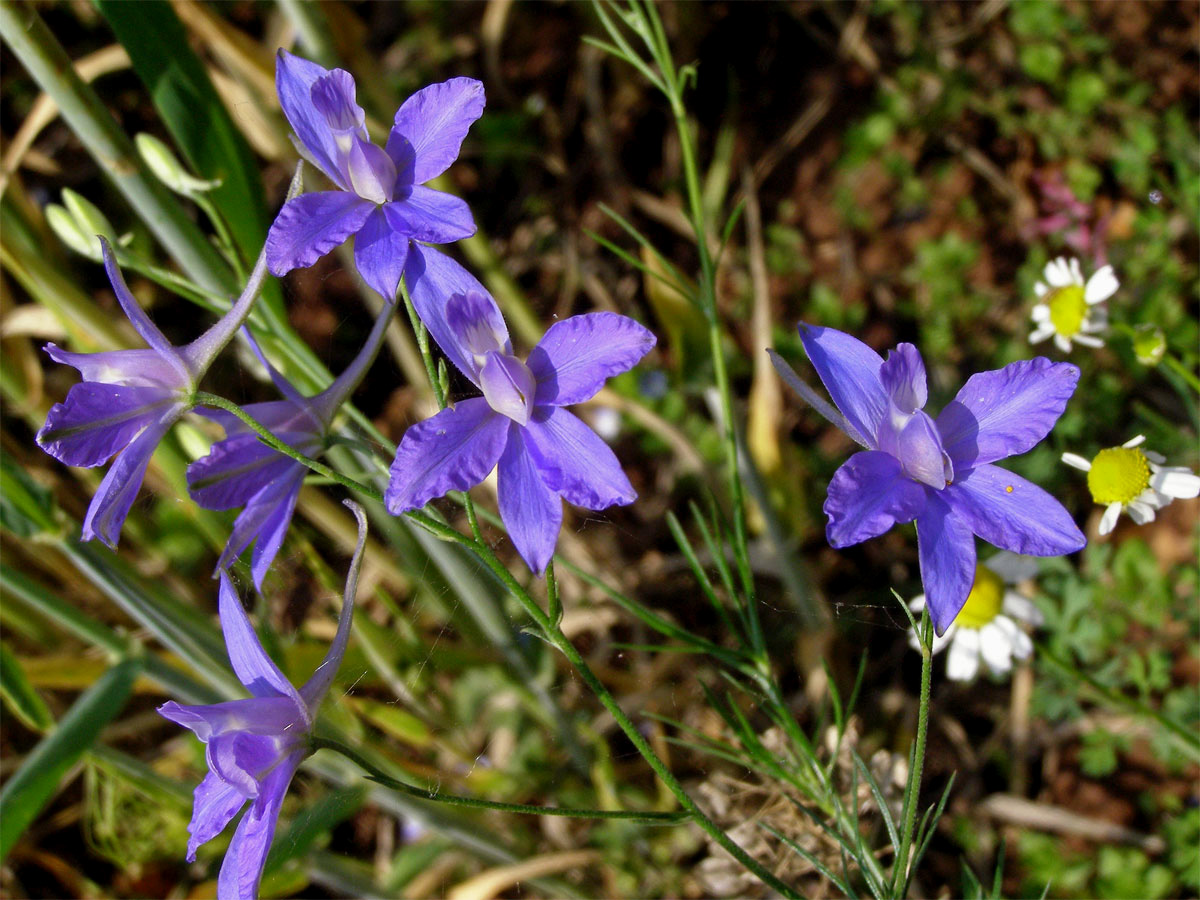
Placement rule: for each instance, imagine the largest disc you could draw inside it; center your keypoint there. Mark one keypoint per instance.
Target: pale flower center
(985, 600)
(1118, 475)
(1068, 309)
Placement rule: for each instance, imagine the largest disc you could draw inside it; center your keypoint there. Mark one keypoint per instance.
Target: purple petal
(371, 172)
(869, 494)
(333, 97)
(294, 80)
(918, 447)
(432, 216)
(133, 368)
(239, 467)
(1006, 411)
(434, 121)
(97, 420)
(249, 660)
(137, 316)
(577, 355)
(903, 377)
(311, 225)
(1014, 514)
(214, 804)
(531, 511)
(947, 551)
(264, 522)
(241, 758)
(432, 279)
(247, 854)
(380, 254)
(575, 462)
(110, 505)
(453, 450)
(279, 504)
(507, 386)
(849, 369)
(278, 416)
(477, 328)
(257, 715)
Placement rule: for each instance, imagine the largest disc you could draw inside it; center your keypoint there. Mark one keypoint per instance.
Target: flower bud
(1149, 344)
(168, 169)
(78, 222)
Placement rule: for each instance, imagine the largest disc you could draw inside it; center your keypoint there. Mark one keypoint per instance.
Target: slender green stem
(553, 601)
(422, 335)
(1173, 363)
(900, 875)
(379, 777)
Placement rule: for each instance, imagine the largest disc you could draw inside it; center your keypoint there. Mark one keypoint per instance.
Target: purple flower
(243, 471)
(382, 198)
(254, 746)
(129, 399)
(939, 471)
(543, 451)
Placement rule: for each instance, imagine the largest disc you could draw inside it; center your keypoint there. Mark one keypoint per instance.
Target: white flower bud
(168, 169)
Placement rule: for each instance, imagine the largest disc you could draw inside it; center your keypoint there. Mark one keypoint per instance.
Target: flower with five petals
(940, 471)
(381, 198)
(544, 453)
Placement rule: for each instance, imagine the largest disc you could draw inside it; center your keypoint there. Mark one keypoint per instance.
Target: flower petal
(434, 121)
(1102, 285)
(577, 355)
(453, 450)
(294, 80)
(849, 369)
(1014, 514)
(947, 552)
(97, 420)
(380, 254)
(903, 377)
(1006, 411)
(247, 854)
(432, 216)
(238, 468)
(311, 225)
(249, 660)
(257, 715)
(433, 278)
(214, 804)
(478, 329)
(314, 690)
(241, 758)
(531, 511)
(113, 498)
(575, 462)
(962, 664)
(264, 522)
(132, 368)
(996, 646)
(869, 494)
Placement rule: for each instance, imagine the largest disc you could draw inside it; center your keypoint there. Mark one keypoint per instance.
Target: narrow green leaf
(20, 696)
(24, 795)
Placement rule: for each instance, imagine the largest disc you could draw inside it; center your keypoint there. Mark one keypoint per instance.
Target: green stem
(912, 793)
(1183, 371)
(554, 635)
(377, 775)
(422, 335)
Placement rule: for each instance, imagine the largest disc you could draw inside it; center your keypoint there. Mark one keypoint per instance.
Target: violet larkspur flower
(544, 453)
(129, 399)
(382, 197)
(243, 471)
(254, 746)
(939, 471)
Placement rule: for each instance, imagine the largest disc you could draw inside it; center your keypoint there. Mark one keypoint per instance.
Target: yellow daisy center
(1068, 309)
(984, 602)
(1118, 475)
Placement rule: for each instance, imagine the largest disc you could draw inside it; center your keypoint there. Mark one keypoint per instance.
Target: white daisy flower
(1069, 309)
(1134, 480)
(987, 626)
